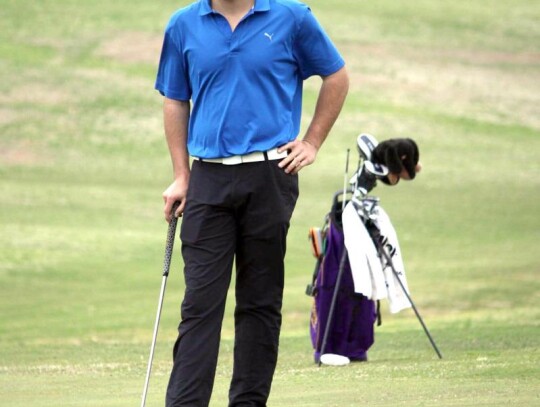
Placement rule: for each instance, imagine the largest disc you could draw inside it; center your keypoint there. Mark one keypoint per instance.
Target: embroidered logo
(269, 36)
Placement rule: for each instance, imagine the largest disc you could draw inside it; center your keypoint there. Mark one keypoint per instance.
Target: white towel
(371, 276)
(367, 272)
(396, 297)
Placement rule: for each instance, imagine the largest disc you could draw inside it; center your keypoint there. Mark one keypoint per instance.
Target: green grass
(83, 163)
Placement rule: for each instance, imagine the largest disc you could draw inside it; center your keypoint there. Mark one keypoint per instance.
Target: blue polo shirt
(245, 86)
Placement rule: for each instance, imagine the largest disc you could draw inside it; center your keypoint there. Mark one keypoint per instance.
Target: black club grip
(171, 234)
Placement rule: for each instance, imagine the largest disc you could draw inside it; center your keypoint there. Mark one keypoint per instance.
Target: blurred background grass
(83, 163)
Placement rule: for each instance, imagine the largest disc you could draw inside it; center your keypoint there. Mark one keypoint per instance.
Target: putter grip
(171, 234)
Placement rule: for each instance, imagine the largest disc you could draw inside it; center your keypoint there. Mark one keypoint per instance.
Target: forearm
(329, 104)
(176, 119)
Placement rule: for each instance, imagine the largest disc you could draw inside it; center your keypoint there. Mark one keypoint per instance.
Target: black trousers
(242, 213)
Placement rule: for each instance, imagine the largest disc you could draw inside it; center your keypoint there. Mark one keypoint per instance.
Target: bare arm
(329, 103)
(176, 119)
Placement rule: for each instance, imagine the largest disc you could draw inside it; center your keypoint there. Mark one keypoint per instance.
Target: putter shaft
(171, 232)
(154, 338)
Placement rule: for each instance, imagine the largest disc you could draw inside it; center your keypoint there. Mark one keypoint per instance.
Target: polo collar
(260, 5)
(204, 7)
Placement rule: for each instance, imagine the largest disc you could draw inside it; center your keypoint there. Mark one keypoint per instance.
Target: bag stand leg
(391, 264)
(333, 304)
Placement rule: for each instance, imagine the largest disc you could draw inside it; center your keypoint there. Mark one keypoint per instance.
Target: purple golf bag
(342, 321)
(351, 333)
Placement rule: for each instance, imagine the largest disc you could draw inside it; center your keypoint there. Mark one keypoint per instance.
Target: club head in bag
(378, 170)
(366, 143)
(366, 177)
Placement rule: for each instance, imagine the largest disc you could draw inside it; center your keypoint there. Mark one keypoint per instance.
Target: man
(241, 63)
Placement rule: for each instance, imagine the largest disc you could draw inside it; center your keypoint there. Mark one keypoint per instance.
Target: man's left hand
(301, 154)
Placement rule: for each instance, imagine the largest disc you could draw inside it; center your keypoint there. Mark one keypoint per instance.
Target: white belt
(246, 158)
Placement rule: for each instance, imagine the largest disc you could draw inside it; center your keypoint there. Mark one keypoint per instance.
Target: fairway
(83, 163)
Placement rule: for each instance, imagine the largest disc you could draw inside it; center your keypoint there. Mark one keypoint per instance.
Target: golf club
(171, 232)
(345, 179)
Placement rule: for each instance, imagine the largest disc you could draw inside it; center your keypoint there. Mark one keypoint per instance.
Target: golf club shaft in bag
(345, 179)
(388, 259)
(171, 232)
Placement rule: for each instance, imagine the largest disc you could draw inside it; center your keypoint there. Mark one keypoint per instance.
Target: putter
(171, 232)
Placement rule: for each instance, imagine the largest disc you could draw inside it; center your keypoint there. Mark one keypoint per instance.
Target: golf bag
(352, 326)
(359, 264)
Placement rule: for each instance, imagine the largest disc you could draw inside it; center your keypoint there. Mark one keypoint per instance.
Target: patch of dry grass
(132, 47)
(486, 85)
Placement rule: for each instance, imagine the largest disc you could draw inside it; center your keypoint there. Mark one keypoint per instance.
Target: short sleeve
(172, 77)
(313, 49)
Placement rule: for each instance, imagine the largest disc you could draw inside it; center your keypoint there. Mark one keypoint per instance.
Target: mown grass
(83, 164)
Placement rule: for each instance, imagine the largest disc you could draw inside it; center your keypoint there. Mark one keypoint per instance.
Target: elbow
(339, 80)
(345, 79)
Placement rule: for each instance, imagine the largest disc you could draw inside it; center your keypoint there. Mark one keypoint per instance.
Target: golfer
(231, 72)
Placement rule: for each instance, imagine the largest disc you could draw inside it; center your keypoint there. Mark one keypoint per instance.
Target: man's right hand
(176, 192)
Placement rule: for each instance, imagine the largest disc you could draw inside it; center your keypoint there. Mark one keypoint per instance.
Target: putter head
(365, 144)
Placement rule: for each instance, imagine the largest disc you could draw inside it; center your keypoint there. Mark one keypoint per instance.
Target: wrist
(181, 175)
(311, 143)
